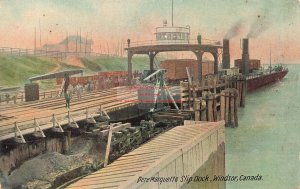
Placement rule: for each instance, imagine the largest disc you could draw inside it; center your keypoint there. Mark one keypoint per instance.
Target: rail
(19, 96)
(266, 72)
(54, 120)
(45, 53)
(172, 42)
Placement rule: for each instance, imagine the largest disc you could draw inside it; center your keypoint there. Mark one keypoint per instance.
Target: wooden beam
(108, 145)
(116, 128)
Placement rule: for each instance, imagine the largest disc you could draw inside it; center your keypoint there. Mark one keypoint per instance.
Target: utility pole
(40, 33)
(91, 44)
(80, 41)
(67, 44)
(85, 43)
(76, 40)
(172, 13)
(107, 48)
(270, 61)
(34, 39)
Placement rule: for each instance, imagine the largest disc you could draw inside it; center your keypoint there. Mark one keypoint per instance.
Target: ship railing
(253, 75)
(172, 42)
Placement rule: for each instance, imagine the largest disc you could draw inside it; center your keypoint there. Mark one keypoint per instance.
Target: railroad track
(43, 111)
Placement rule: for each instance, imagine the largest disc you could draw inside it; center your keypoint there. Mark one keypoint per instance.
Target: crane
(160, 90)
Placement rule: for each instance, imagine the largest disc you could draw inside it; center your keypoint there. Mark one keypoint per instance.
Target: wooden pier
(180, 151)
(20, 119)
(204, 98)
(214, 98)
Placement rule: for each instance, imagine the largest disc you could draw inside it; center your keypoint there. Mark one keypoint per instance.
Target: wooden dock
(22, 116)
(180, 151)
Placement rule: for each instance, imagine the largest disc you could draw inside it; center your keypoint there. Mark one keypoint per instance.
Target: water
(267, 141)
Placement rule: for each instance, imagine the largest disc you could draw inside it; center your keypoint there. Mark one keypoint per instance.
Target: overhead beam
(55, 75)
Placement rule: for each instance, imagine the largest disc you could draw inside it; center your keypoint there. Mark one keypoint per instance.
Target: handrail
(42, 52)
(256, 75)
(172, 42)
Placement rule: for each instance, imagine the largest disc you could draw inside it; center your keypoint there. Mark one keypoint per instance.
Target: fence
(18, 97)
(172, 42)
(45, 53)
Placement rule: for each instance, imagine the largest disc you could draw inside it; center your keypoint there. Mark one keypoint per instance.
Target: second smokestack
(245, 57)
(226, 54)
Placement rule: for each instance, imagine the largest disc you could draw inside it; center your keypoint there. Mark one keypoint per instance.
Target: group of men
(78, 89)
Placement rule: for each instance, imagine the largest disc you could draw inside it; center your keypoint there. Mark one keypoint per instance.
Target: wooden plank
(117, 128)
(108, 146)
(132, 169)
(232, 110)
(27, 126)
(115, 173)
(222, 104)
(137, 163)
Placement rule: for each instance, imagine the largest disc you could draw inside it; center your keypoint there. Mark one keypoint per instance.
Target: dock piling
(229, 107)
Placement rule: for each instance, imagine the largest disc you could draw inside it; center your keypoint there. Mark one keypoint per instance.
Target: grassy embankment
(16, 70)
(93, 64)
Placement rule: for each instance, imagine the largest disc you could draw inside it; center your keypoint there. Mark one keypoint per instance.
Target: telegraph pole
(40, 33)
(172, 13)
(34, 39)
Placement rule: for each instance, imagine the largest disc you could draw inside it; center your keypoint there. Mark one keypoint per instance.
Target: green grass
(110, 63)
(16, 70)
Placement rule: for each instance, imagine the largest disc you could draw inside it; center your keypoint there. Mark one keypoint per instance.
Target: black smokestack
(226, 54)
(245, 57)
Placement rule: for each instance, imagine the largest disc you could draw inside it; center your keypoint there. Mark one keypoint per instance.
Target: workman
(199, 39)
(78, 90)
(68, 99)
(7, 98)
(67, 82)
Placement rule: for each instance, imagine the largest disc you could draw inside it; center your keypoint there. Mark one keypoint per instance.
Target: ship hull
(257, 82)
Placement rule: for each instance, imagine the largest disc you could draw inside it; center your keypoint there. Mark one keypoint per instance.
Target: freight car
(176, 68)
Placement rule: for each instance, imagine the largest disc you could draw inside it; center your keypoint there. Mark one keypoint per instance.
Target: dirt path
(57, 66)
(74, 61)
(71, 61)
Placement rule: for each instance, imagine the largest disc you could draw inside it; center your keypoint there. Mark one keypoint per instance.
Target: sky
(271, 24)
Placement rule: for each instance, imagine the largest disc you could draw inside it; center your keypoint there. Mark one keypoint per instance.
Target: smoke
(258, 27)
(234, 30)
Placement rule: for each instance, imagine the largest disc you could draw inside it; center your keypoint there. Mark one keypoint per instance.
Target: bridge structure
(153, 50)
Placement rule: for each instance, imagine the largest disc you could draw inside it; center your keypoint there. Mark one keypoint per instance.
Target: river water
(267, 141)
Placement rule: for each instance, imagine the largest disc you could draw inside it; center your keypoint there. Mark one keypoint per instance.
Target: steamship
(256, 75)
